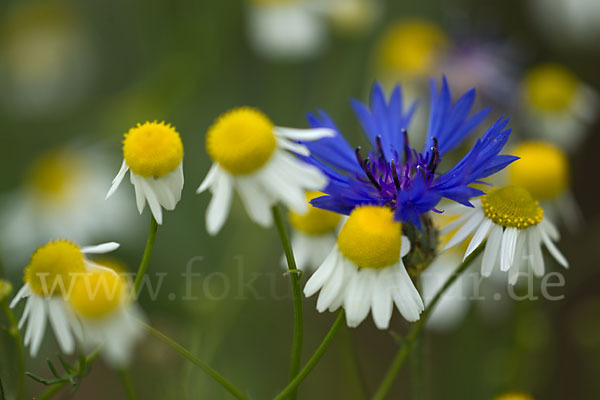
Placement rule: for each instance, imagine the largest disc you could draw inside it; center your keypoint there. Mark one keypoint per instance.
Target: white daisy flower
(285, 29)
(544, 170)
(364, 271)
(154, 154)
(557, 106)
(49, 280)
(62, 196)
(313, 235)
(251, 155)
(104, 314)
(515, 228)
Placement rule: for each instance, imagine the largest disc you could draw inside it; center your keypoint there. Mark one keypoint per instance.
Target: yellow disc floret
(55, 174)
(371, 238)
(543, 169)
(241, 140)
(512, 207)
(97, 293)
(152, 149)
(411, 47)
(514, 396)
(316, 221)
(5, 289)
(550, 87)
(53, 267)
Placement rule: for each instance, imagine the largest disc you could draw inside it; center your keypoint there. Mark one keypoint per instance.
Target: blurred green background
(186, 62)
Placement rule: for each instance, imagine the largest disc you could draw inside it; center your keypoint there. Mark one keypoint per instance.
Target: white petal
(293, 147)
(478, 237)
(100, 248)
(332, 288)
(491, 252)
(404, 246)
(322, 274)
(140, 198)
(459, 221)
(550, 229)
(558, 256)
(256, 201)
(468, 228)
(118, 179)
(507, 248)
(515, 268)
(405, 294)
(534, 241)
(218, 208)
(25, 315)
(23, 292)
(357, 301)
(60, 325)
(382, 300)
(152, 199)
(210, 179)
(304, 134)
(38, 323)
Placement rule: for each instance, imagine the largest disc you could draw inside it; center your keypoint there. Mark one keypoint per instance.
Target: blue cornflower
(395, 175)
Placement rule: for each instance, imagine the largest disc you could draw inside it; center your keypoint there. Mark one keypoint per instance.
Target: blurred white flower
(46, 58)
(568, 22)
(63, 196)
(557, 106)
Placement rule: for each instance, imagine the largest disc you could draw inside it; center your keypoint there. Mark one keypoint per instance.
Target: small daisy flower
(313, 234)
(49, 280)
(364, 270)
(251, 155)
(544, 170)
(61, 196)
(106, 315)
(515, 228)
(154, 153)
(285, 29)
(557, 105)
(410, 50)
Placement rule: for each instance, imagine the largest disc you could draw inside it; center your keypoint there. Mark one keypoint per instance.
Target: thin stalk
(297, 293)
(146, 258)
(52, 390)
(128, 385)
(414, 333)
(418, 359)
(351, 362)
(195, 360)
(291, 387)
(14, 332)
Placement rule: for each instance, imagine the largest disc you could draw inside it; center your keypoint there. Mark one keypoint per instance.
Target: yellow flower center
(411, 47)
(316, 221)
(97, 293)
(241, 140)
(152, 149)
(514, 396)
(53, 267)
(550, 87)
(512, 207)
(54, 175)
(543, 169)
(371, 238)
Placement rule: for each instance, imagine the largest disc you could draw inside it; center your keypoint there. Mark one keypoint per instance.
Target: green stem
(52, 390)
(146, 258)
(297, 293)
(14, 332)
(352, 365)
(418, 359)
(415, 332)
(128, 385)
(291, 387)
(196, 361)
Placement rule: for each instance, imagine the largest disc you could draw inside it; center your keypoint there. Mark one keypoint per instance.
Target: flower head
(251, 154)
(153, 152)
(514, 225)
(397, 176)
